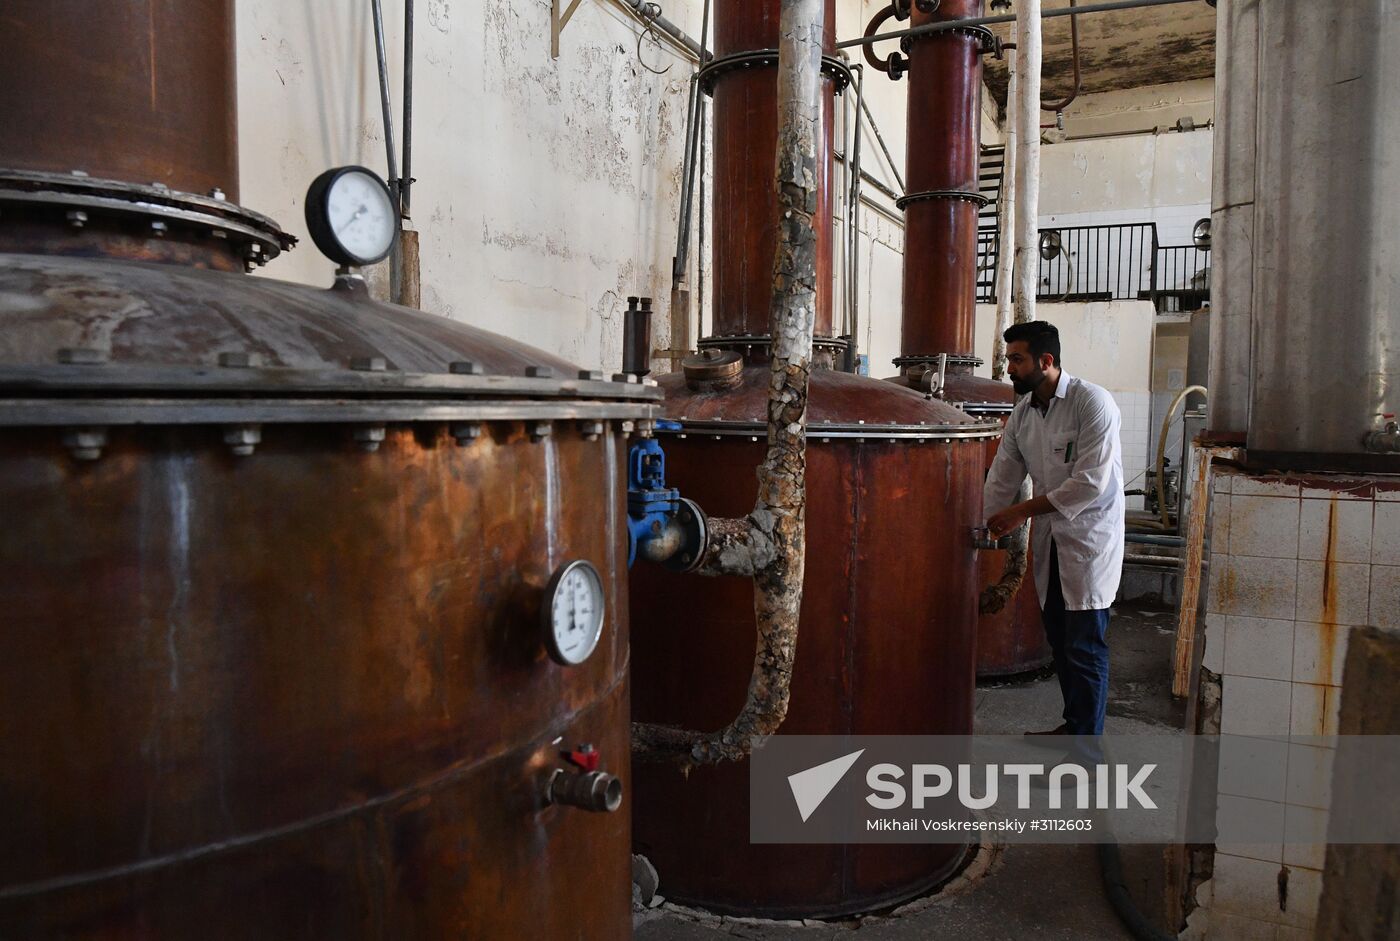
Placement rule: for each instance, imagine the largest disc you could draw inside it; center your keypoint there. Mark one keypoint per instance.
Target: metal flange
(832, 67)
(977, 199)
(82, 199)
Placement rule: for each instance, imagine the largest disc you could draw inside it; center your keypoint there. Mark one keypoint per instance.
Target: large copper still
(275, 556)
(940, 283)
(887, 634)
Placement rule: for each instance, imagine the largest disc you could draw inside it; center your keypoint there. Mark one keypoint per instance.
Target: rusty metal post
(770, 544)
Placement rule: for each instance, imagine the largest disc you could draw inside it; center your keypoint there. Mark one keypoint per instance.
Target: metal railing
(1097, 262)
(1124, 261)
(1183, 278)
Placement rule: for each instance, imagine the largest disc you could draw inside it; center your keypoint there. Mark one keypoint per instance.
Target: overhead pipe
(1078, 73)
(651, 13)
(1006, 18)
(769, 544)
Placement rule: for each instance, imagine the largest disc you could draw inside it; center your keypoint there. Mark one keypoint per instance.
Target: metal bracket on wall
(557, 22)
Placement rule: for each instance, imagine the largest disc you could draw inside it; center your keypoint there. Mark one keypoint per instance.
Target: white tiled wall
(1136, 410)
(1295, 565)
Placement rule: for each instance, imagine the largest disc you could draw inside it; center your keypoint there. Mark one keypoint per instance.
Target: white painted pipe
(1006, 257)
(1027, 116)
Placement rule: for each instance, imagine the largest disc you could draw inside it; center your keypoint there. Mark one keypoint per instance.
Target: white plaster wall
(548, 188)
(1141, 109)
(1162, 178)
(1110, 344)
(1144, 171)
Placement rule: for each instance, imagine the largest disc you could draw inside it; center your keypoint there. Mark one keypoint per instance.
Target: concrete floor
(1039, 891)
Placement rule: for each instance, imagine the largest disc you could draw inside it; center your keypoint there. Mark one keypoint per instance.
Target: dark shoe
(1061, 729)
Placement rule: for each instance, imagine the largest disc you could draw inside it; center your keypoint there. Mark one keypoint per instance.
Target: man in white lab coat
(1064, 432)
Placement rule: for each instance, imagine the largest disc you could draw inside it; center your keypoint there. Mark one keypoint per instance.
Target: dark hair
(1040, 336)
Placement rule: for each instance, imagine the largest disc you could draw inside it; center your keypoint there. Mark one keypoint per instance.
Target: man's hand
(1007, 520)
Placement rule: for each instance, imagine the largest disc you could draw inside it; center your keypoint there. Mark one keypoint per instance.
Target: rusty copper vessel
(887, 634)
(940, 282)
(273, 664)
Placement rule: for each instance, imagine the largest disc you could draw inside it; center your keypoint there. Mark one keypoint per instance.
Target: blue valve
(661, 524)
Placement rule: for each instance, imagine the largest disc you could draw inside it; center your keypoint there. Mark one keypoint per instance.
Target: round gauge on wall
(573, 613)
(351, 216)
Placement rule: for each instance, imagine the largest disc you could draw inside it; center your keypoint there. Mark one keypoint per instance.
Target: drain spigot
(597, 791)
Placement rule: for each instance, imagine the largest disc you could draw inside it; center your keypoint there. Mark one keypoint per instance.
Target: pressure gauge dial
(351, 216)
(573, 613)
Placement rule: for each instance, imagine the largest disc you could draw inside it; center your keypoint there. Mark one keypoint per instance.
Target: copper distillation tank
(888, 617)
(941, 207)
(276, 557)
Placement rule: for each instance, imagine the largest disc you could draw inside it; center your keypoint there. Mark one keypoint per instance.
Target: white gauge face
(574, 613)
(361, 215)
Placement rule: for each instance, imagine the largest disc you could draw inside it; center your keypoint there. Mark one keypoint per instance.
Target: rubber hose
(1114, 886)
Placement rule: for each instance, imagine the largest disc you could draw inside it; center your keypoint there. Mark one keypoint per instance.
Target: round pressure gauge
(573, 613)
(351, 216)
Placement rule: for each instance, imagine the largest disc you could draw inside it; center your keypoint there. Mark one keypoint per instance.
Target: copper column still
(940, 279)
(275, 556)
(886, 640)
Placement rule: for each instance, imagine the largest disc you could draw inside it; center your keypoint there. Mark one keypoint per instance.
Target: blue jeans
(1080, 649)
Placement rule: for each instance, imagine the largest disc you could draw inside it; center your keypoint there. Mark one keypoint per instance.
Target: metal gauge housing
(573, 613)
(351, 216)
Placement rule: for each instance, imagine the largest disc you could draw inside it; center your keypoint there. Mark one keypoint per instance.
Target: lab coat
(1074, 456)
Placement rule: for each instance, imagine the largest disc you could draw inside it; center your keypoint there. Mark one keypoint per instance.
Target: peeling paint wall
(1163, 178)
(1135, 110)
(549, 189)
(1123, 49)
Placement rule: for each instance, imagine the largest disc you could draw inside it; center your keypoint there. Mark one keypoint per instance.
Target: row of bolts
(86, 444)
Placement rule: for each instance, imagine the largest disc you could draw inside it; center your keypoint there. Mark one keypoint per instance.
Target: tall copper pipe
(940, 257)
(746, 193)
(940, 291)
(141, 92)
